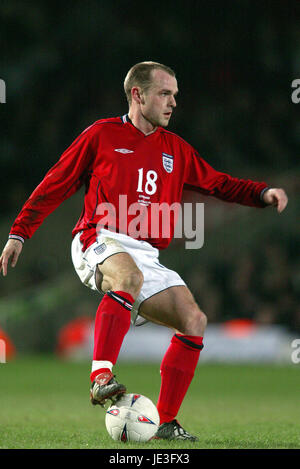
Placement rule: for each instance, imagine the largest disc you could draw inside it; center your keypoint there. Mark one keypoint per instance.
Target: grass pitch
(44, 403)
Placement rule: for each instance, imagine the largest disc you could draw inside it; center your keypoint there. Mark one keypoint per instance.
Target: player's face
(159, 101)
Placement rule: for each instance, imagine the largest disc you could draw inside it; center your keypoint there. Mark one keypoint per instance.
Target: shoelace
(179, 431)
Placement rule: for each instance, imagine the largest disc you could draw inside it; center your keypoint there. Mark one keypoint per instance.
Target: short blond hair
(141, 75)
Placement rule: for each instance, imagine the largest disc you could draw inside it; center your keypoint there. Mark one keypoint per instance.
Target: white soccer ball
(132, 418)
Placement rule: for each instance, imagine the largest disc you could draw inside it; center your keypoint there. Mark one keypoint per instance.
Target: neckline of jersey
(126, 120)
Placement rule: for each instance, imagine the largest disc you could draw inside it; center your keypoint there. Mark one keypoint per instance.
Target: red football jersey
(126, 174)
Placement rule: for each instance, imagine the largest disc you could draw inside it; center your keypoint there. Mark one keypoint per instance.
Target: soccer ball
(132, 418)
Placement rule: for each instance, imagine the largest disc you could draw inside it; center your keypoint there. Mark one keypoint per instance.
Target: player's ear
(137, 95)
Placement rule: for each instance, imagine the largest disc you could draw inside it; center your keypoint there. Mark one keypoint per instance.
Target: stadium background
(64, 66)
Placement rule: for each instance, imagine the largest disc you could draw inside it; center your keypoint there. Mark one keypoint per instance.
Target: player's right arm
(61, 181)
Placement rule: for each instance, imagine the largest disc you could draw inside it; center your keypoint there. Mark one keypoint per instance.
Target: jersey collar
(126, 119)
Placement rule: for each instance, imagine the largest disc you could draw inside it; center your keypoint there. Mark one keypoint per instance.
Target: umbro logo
(123, 150)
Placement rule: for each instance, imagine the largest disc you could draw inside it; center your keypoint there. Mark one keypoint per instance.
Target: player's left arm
(204, 178)
(275, 197)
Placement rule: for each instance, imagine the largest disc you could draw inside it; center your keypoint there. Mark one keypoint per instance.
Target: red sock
(111, 325)
(177, 371)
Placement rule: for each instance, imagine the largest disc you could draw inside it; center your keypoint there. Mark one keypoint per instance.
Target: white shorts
(156, 277)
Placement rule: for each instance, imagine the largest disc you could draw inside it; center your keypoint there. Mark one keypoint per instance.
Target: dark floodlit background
(64, 64)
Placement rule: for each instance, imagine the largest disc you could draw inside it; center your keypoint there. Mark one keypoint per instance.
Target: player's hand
(277, 198)
(11, 250)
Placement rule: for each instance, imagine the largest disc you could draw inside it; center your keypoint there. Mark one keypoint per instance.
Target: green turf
(44, 403)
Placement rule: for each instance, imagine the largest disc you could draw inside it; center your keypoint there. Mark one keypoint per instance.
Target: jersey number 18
(150, 186)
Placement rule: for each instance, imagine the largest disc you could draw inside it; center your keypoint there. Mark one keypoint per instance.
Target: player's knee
(202, 320)
(196, 322)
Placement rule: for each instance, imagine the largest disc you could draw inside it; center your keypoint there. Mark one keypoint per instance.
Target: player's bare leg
(177, 309)
(121, 280)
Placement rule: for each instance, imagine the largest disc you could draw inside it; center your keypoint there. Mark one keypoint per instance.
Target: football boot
(104, 387)
(173, 431)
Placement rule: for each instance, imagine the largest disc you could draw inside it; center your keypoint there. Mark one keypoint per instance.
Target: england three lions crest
(168, 162)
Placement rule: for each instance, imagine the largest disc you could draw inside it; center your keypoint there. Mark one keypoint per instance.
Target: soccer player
(128, 165)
